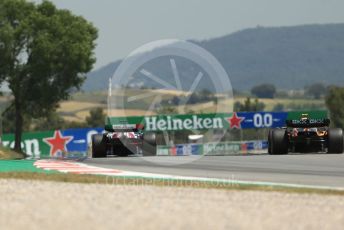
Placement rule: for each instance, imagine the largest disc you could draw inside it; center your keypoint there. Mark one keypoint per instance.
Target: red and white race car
(123, 140)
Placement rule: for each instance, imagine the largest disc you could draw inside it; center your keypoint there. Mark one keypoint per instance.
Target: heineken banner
(221, 148)
(74, 142)
(68, 143)
(240, 120)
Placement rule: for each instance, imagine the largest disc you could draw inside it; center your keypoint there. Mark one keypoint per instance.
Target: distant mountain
(99, 79)
(289, 57)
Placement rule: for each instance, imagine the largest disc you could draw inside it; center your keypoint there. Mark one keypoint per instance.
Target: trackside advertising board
(74, 142)
(221, 148)
(69, 143)
(240, 120)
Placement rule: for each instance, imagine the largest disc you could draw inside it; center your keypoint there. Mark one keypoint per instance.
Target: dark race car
(306, 135)
(123, 140)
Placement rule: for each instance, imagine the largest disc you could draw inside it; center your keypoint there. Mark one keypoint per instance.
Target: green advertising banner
(295, 115)
(32, 143)
(238, 120)
(174, 122)
(71, 143)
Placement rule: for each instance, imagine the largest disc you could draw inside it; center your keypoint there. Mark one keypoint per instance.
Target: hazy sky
(127, 24)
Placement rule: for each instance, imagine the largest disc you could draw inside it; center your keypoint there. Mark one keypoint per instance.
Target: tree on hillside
(44, 55)
(264, 91)
(249, 106)
(96, 118)
(167, 110)
(9, 124)
(335, 102)
(316, 90)
(54, 121)
(278, 107)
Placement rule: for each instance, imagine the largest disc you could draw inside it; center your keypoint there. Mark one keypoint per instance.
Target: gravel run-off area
(56, 205)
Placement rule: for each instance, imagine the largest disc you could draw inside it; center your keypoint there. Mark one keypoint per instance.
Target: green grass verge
(139, 181)
(7, 166)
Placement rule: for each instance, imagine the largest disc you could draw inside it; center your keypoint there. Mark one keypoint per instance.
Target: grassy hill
(79, 106)
(289, 57)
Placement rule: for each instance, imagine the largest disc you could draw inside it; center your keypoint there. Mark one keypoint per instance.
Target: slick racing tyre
(280, 141)
(149, 144)
(98, 146)
(335, 141)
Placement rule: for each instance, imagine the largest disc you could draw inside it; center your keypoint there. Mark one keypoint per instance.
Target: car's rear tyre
(149, 144)
(270, 141)
(98, 146)
(279, 139)
(335, 140)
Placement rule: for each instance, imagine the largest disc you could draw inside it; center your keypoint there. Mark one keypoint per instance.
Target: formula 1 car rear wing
(124, 127)
(309, 123)
(122, 124)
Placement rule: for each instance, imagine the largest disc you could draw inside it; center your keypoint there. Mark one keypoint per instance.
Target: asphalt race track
(305, 169)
